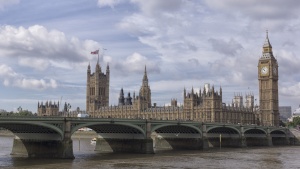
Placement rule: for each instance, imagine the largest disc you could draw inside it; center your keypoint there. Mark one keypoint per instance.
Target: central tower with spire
(268, 86)
(145, 92)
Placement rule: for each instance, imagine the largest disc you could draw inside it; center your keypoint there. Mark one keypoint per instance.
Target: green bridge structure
(50, 137)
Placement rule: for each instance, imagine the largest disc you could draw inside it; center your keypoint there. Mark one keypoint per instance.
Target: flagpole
(98, 55)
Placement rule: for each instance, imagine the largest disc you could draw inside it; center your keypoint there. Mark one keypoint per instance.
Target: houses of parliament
(205, 105)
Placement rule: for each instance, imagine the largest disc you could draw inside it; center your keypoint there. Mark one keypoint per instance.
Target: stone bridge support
(44, 145)
(205, 144)
(269, 138)
(129, 143)
(144, 146)
(179, 143)
(243, 142)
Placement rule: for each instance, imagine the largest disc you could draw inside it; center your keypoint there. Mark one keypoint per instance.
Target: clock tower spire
(268, 86)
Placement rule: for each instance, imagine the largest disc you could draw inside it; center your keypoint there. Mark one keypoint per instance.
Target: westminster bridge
(51, 136)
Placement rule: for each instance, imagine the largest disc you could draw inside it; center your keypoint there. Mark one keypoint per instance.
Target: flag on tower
(95, 52)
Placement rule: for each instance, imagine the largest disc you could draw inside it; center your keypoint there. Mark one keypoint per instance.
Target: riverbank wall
(294, 137)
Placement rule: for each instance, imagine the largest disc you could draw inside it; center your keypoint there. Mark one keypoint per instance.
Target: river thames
(86, 157)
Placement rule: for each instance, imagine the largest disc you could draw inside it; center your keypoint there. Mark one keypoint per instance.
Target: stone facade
(97, 89)
(203, 106)
(48, 109)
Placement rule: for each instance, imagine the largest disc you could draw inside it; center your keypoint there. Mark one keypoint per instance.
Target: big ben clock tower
(268, 86)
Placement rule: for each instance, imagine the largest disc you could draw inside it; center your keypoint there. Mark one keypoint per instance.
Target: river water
(87, 158)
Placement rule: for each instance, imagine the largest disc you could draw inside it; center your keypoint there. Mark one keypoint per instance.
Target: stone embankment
(294, 137)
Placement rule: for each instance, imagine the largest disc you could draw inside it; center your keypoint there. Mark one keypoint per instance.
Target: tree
(281, 123)
(25, 113)
(22, 113)
(296, 121)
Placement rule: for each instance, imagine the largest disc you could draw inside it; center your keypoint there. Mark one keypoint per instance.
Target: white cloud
(11, 78)
(38, 42)
(293, 90)
(39, 64)
(136, 63)
(6, 71)
(35, 84)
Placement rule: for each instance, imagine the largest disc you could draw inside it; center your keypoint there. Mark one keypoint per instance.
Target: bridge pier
(243, 142)
(269, 138)
(179, 143)
(144, 146)
(205, 143)
(43, 148)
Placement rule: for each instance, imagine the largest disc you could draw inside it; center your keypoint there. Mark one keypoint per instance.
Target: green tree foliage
(281, 123)
(20, 113)
(25, 113)
(296, 121)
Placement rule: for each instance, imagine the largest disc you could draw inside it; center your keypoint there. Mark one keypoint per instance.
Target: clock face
(264, 70)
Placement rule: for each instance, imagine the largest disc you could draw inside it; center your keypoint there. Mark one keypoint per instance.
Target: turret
(145, 92)
(121, 98)
(107, 70)
(128, 99)
(145, 78)
(98, 68)
(89, 69)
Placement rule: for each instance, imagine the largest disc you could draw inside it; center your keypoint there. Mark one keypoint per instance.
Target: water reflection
(86, 157)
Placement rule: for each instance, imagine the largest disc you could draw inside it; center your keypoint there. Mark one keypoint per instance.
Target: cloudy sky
(45, 47)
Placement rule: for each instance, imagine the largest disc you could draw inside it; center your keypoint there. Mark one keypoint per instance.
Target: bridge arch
(255, 131)
(184, 127)
(96, 125)
(279, 137)
(177, 136)
(278, 131)
(256, 137)
(117, 136)
(20, 126)
(229, 136)
(223, 129)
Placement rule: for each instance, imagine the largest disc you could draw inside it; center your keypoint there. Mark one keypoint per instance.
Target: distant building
(285, 112)
(2, 111)
(296, 113)
(48, 109)
(97, 88)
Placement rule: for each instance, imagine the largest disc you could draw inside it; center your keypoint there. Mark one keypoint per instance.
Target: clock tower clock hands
(264, 70)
